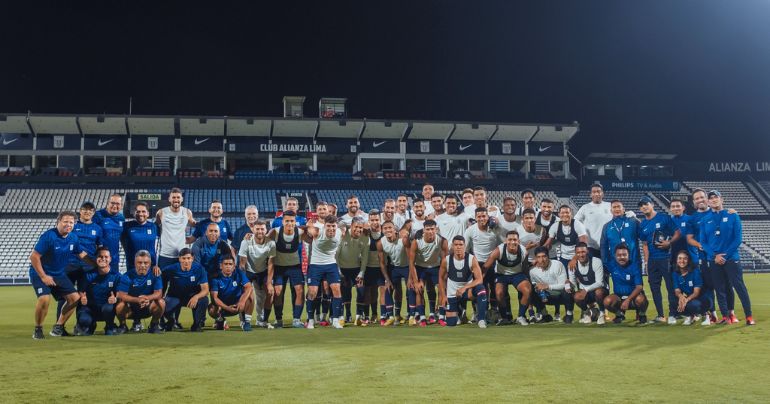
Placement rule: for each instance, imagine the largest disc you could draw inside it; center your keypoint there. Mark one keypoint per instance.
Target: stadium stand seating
(54, 200)
(735, 195)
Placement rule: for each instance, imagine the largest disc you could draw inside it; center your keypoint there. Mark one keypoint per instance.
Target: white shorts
(452, 287)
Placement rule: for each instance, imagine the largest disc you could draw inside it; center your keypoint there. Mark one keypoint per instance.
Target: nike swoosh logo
(378, 144)
(463, 148)
(100, 143)
(7, 142)
(197, 142)
(542, 149)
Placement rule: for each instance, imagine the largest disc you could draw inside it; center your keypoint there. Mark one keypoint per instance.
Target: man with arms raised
(323, 267)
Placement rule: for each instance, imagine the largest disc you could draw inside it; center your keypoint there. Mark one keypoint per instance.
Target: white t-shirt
(417, 225)
(395, 251)
(256, 254)
(399, 219)
(566, 251)
(450, 226)
(481, 242)
(172, 234)
(324, 249)
(504, 226)
(555, 276)
(429, 209)
(526, 237)
(594, 216)
(347, 219)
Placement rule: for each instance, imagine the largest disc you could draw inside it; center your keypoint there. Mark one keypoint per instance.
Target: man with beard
(140, 295)
(627, 288)
(436, 204)
(139, 234)
(215, 216)
(425, 254)
(111, 220)
(252, 217)
(588, 276)
(354, 210)
(209, 250)
(402, 211)
(594, 215)
(657, 232)
(450, 223)
(394, 266)
(372, 277)
(256, 255)
(481, 241)
(287, 268)
(549, 278)
(509, 261)
(351, 256)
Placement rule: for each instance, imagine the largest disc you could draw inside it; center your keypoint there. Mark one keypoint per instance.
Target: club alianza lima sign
(293, 147)
(739, 167)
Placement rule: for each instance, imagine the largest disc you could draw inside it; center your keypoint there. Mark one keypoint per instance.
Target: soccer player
(287, 268)
(588, 276)
(351, 257)
(209, 250)
(549, 278)
(451, 222)
(140, 295)
(373, 277)
(545, 216)
(721, 235)
(527, 201)
(215, 216)
(702, 211)
(97, 296)
(323, 266)
(688, 284)
(657, 233)
(252, 217)
(139, 234)
(681, 221)
(621, 229)
(111, 220)
(565, 235)
(427, 196)
(402, 211)
(627, 287)
(89, 238)
(436, 205)
(531, 235)
(188, 287)
(508, 262)
(508, 220)
(49, 259)
(231, 294)
(425, 255)
(292, 204)
(172, 221)
(594, 215)
(354, 210)
(469, 207)
(460, 274)
(257, 256)
(481, 240)
(393, 247)
(415, 224)
(388, 211)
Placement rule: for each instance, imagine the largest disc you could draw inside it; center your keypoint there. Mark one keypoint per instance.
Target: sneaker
(697, 318)
(618, 319)
(713, 317)
(474, 319)
(323, 323)
(442, 322)
(642, 319)
(57, 331)
(423, 323)
(338, 323)
(432, 319)
(412, 321)
(521, 320)
(750, 320)
(399, 319)
(366, 322)
(687, 321)
(390, 321)
(600, 320)
(341, 321)
(568, 319)
(310, 324)
(671, 320)
(123, 329)
(585, 319)
(196, 328)
(109, 331)
(733, 319)
(154, 329)
(219, 324)
(38, 333)
(482, 324)
(137, 326)
(246, 326)
(503, 321)
(545, 319)
(225, 325)
(659, 319)
(359, 321)
(168, 327)
(557, 317)
(296, 323)
(279, 323)
(725, 321)
(261, 324)
(706, 320)
(178, 325)
(270, 326)
(80, 332)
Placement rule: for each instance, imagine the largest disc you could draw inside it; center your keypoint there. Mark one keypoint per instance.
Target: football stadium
(489, 236)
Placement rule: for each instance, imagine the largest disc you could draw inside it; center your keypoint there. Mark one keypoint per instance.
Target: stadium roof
(632, 156)
(103, 125)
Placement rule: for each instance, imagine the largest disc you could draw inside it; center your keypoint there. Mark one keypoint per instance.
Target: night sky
(687, 77)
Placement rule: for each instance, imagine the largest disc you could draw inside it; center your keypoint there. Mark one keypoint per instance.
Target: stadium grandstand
(49, 163)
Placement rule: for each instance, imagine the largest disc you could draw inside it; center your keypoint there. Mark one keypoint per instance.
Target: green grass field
(539, 363)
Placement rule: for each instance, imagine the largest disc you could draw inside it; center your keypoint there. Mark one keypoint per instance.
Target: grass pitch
(539, 363)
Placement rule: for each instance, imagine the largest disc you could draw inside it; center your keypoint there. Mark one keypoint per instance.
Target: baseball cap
(88, 205)
(645, 200)
(714, 192)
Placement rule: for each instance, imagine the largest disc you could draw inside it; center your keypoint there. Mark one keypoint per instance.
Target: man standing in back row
(594, 215)
(111, 220)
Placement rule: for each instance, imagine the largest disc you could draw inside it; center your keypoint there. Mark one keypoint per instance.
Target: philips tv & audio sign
(642, 185)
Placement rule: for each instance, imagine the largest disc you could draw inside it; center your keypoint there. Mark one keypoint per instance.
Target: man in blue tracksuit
(111, 220)
(658, 233)
(620, 229)
(140, 234)
(188, 287)
(721, 236)
(98, 296)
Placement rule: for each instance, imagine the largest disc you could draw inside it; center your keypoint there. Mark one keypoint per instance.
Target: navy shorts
(317, 273)
(514, 279)
(373, 277)
(428, 274)
(63, 286)
(632, 303)
(229, 300)
(349, 275)
(259, 278)
(591, 296)
(283, 275)
(398, 274)
(139, 313)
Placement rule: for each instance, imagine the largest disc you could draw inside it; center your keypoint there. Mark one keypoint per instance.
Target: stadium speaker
(3, 118)
(249, 122)
(100, 119)
(388, 124)
(474, 126)
(202, 121)
(343, 122)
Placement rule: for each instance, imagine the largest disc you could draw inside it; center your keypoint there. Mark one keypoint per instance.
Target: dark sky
(689, 76)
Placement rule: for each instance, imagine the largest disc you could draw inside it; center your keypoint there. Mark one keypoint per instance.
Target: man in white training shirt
(594, 215)
(323, 266)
